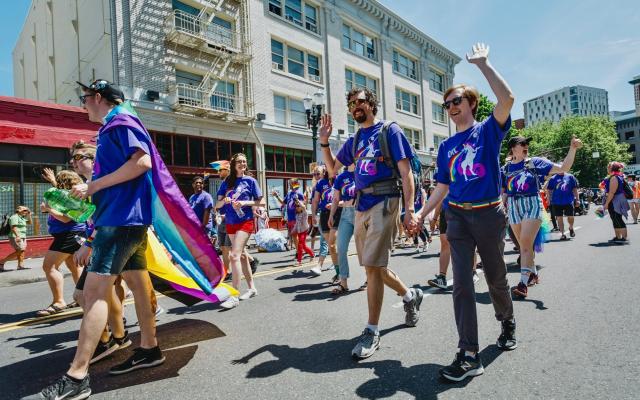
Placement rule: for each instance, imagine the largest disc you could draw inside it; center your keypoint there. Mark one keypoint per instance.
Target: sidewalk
(12, 277)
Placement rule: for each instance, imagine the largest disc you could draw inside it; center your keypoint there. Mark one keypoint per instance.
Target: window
(298, 63)
(180, 150)
(224, 96)
(286, 160)
(436, 81)
(404, 65)
(414, 137)
(406, 101)
(354, 79)
(437, 113)
(629, 135)
(195, 152)
(289, 111)
(437, 139)
(280, 108)
(358, 42)
(296, 12)
(163, 144)
(222, 31)
(351, 124)
(632, 148)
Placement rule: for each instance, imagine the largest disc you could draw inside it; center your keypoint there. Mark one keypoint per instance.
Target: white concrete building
(628, 127)
(570, 100)
(213, 77)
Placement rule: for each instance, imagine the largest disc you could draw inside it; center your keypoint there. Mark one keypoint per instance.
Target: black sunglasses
(354, 103)
(83, 98)
(456, 101)
(79, 157)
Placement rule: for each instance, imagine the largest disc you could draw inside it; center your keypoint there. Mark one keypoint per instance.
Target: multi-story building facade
(214, 77)
(628, 127)
(570, 100)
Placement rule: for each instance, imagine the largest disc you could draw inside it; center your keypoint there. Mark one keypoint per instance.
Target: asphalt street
(577, 335)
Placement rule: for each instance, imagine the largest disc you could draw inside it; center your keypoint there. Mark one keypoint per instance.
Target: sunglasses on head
(79, 157)
(83, 98)
(455, 101)
(354, 103)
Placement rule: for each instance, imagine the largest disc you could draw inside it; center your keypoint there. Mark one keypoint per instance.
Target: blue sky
(538, 46)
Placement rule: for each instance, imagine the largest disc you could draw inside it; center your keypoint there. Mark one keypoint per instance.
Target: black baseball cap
(516, 140)
(106, 90)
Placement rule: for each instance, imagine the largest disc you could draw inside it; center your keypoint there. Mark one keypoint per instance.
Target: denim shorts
(119, 248)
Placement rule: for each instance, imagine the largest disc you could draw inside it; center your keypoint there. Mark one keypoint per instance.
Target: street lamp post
(313, 107)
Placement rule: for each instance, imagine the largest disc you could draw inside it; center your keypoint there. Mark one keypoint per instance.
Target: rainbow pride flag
(190, 264)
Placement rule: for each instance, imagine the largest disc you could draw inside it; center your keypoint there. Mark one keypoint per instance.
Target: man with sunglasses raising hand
(377, 204)
(468, 174)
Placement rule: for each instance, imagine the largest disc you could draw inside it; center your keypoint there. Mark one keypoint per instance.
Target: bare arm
(314, 204)
(499, 86)
(333, 165)
(436, 199)
(568, 160)
(334, 206)
(205, 216)
(613, 187)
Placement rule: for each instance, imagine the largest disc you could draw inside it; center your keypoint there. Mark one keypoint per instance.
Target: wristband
(324, 144)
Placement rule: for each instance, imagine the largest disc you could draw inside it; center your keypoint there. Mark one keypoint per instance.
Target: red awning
(36, 123)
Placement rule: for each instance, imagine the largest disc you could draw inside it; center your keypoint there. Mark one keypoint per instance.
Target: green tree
(485, 108)
(598, 134)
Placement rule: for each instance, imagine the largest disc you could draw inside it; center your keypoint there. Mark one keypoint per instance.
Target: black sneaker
(141, 358)
(254, 264)
(507, 339)
(462, 367)
(104, 350)
(64, 388)
(439, 282)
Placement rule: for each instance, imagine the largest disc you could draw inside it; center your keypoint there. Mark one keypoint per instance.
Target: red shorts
(291, 225)
(246, 226)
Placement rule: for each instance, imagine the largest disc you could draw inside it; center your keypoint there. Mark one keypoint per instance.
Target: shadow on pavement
(176, 338)
(605, 244)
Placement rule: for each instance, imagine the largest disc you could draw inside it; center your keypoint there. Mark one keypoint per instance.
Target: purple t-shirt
(469, 162)
(290, 203)
(345, 184)
(369, 171)
(57, 226)
(521, 181)
(246, 188)
(607, 182)
(562, 186)
(201, 202)
(323, 187)
(127, 203)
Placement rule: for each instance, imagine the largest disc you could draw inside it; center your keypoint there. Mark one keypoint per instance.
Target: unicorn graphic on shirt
(467, 163)
(366, 162)
(521, 182)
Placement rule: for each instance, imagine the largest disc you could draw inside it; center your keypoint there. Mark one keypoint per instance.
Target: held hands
(411, 221)
(326, 127)
(479, 54)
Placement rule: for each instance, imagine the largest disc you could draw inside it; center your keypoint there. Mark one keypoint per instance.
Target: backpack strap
(383, 141)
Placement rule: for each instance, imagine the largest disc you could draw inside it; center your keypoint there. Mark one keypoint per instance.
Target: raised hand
(326, 128)
(479, 54)
(575, 142)
(49, 176)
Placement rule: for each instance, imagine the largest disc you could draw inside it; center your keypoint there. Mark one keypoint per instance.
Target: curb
(23, 281)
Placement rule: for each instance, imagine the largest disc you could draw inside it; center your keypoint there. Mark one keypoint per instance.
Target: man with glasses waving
(377, 205)
(469, 176)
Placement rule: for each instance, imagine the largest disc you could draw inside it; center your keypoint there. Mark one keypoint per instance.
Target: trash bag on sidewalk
(271, 240)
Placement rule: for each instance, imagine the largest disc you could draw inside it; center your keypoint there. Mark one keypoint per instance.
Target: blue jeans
(345, 233)
(324, 247)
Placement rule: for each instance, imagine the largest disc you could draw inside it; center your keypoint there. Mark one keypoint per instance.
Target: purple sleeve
(208, 201)
(222, 189)
(493, 126)
(256, 191)
(552, 183)
(345, 155)
(542, 165)
(398, 144)
(337, 184)
(133, 140)
(442, 164)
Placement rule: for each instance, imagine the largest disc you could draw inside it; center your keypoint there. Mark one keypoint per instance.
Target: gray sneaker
(367, 345)
(412, 307)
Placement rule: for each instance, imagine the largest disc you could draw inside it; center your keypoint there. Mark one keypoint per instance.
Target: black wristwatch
(324, 144)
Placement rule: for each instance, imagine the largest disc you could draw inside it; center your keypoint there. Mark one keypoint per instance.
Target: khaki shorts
(374, 233)
(18, 245)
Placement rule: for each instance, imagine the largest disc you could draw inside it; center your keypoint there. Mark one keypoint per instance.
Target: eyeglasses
(80, 157)
(354, 103)
(83, 98)
(456, 101)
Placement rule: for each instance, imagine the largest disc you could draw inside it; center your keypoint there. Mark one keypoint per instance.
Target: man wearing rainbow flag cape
(132, 190)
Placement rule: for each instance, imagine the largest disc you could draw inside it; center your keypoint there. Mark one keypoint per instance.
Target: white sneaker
(249, 294)
(325, 268)
(316, 271)
(231, 302)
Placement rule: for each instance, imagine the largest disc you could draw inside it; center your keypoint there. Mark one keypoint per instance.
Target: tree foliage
(598, 134)
(485, 108)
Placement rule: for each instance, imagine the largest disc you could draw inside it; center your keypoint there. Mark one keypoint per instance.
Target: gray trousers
(485, 229)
